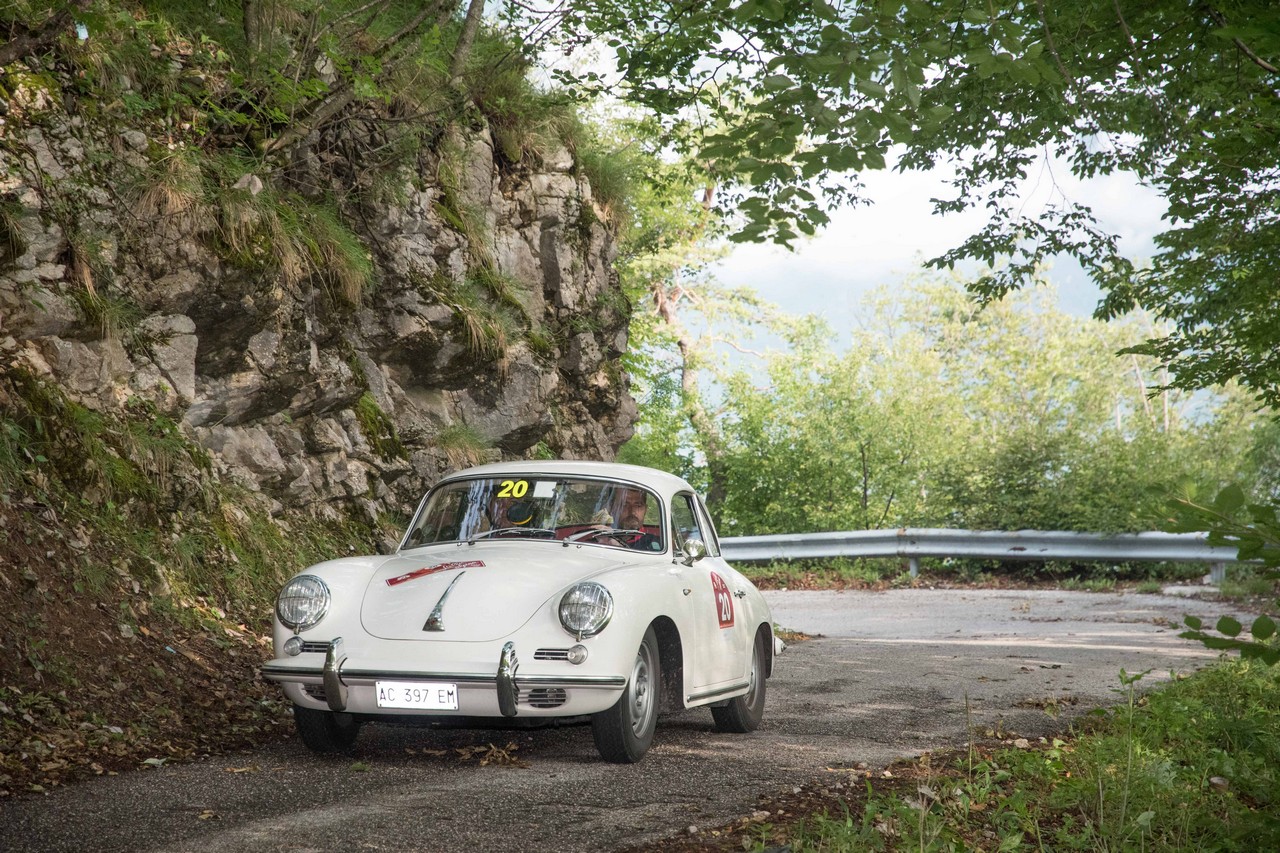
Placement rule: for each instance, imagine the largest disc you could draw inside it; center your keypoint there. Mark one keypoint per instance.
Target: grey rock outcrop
(318, 403)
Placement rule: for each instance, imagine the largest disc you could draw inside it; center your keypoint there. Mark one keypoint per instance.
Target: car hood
(492, 589)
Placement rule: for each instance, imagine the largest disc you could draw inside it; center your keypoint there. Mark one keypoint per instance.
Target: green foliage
(224, 91)
(14, 450)
(12, 244)
(106, 315)
(1253, 529)
(943, 415)
(463, 445)
(503, 288)
(328, 249)
(257, 552)
(84, 451)
(293, 236)
(775, 103)
(526, 123)
(173, 188)
(661, 438)
(378, 429)
(464, 218)
(612, 177)
(836, 573)
(109, 317)
(489, 330)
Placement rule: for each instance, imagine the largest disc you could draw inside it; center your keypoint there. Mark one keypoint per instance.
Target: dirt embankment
(96, 676)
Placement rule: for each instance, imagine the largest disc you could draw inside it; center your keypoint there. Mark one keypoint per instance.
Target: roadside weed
(1194, 765)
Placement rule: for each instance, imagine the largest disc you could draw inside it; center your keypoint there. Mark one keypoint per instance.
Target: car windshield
(568, 509)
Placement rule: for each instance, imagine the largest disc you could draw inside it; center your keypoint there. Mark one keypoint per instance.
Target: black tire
(742, 714)
(624, 733)
(325, 732)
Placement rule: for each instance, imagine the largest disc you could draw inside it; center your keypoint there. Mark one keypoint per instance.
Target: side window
(712, 540)
(684, 518)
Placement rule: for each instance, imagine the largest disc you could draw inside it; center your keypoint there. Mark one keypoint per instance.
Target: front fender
(644, 595)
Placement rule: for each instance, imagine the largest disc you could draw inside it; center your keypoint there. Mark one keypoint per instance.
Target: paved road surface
(891, 676)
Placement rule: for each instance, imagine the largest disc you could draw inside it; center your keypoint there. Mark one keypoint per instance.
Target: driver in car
(629, 525)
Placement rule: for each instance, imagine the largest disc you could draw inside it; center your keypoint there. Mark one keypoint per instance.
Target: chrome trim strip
(368, 676)
(508, 693)
(365, 677)
(719, 691)
(435, 622)
(567, 681)
(335, 692)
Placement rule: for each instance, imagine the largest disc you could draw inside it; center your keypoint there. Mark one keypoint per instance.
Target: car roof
(659, 481)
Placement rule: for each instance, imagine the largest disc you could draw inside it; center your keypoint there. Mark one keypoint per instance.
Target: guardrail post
(1217, 573)
(914, 564)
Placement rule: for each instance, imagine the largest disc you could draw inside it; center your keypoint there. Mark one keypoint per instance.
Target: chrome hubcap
(755, 676)
(640, 698)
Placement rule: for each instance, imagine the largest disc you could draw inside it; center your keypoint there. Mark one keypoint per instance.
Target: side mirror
(693, 550)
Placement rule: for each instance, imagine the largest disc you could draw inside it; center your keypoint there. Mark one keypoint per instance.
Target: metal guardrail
(912, 543)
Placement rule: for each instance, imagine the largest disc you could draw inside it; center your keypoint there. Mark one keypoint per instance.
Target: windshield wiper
(499, 531)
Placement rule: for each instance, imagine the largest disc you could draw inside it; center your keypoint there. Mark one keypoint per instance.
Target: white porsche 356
(530, 590)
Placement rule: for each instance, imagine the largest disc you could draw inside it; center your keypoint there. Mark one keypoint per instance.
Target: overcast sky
(864, 247)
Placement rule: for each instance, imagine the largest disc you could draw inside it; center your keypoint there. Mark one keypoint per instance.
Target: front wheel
(324, 731)
(743, 713)
(624, 732)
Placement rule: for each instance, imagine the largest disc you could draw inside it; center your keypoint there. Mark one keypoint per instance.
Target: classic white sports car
(530, 590)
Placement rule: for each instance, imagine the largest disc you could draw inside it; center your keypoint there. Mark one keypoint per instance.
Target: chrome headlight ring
(585, 609)
(302, 603)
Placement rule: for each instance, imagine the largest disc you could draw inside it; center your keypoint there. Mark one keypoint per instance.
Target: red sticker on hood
(431, 570)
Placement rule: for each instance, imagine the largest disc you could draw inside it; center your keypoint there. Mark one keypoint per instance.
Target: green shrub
(378, 429)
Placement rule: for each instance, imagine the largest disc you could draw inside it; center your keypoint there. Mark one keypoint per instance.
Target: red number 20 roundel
(724, 601)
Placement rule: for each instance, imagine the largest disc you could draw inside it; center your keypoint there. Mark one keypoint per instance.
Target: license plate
(424, 696)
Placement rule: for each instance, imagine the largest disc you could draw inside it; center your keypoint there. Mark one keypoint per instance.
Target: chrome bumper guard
(335, 692)
(508, 692)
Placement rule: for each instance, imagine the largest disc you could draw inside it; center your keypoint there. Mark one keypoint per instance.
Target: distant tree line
(941, 413)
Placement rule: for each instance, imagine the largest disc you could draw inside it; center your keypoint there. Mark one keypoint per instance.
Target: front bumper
(343, 686)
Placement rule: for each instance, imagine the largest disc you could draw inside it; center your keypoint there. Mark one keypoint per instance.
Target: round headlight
(302, 603)
(585, 609)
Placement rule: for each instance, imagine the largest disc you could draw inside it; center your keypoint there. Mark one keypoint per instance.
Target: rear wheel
(324, 731)
(624, 732)
(743, 713)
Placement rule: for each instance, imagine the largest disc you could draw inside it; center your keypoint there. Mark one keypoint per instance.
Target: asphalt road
(894, 674)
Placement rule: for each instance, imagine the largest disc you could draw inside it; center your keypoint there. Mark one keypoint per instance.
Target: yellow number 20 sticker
(513, 489)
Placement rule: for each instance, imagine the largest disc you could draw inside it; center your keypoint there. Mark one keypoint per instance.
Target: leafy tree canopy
(783, 100)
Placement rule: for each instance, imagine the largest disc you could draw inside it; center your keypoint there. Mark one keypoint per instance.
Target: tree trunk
(475, 12)
(251, 12)
(703, 422)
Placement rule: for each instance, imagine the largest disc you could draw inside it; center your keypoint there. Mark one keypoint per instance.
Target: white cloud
(864, 247)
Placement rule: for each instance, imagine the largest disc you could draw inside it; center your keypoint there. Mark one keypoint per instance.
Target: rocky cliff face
(117, 285)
